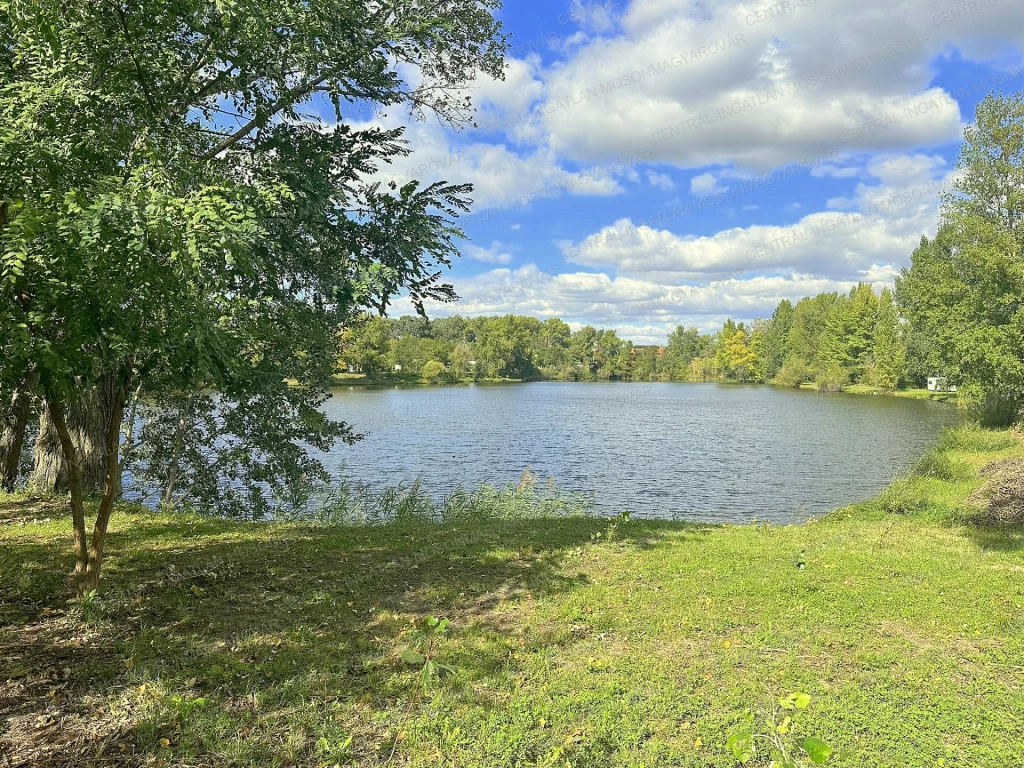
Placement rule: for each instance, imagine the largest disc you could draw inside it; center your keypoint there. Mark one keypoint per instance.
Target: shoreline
(359, 381)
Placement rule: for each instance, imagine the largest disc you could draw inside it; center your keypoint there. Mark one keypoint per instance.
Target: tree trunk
(111, 491)
(72, 463)
(12, 438)
(89, 554)
(86, 418)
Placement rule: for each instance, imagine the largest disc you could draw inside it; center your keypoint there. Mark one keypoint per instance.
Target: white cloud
(705, 184)
(661, 181)
(713, 84)
(499, 174)
(495, 254)
(885, 223)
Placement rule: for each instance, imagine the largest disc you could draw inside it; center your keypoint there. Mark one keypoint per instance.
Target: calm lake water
(705, 452)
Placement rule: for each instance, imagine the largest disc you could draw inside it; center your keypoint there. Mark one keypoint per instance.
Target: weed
(780, 740)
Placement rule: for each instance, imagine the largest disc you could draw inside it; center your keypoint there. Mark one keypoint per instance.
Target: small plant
(91, 605)
(421, 652)
(780, 742)
(335, 752)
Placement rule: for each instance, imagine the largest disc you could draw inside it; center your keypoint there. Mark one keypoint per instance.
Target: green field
(576, 642)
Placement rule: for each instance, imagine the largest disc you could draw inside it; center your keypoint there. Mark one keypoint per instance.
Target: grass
(578, 641)
(915, 394)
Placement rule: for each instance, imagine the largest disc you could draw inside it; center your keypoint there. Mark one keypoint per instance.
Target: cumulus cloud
(759, 84)
(876, 228)
(500, 174)
(495, 254)
(661, 181)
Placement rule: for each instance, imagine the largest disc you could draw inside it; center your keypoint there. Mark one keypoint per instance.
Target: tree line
(831, 339)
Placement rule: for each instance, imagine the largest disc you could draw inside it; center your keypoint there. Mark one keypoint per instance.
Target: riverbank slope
(576, 642)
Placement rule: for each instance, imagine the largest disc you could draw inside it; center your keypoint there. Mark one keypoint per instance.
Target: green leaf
(795, 701)
(817, 750)
(741, 744)
(429, 673)
(413, 657)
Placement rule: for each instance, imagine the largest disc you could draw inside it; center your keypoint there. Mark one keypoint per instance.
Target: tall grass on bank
(353, 503)
(938, 486)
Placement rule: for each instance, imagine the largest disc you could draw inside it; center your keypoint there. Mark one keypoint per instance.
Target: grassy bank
(577, 642)
(913, 394)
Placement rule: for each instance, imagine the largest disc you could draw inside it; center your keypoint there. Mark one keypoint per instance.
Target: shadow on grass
(261, 618)
(1005, 537)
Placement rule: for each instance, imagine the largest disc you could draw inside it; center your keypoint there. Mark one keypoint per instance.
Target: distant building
(940, 384)
(398, 369)
(660, 351)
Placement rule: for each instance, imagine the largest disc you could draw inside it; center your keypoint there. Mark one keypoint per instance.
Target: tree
(810, 316)
(172, 217)
(776, 340)
(12, 438)
(553, 346)
(684, 346)
(435, 372)
(847, 340)
(461, 358)
(733, 355)
(965, 289)
(504, 346)
(889, 353)
(366, 344)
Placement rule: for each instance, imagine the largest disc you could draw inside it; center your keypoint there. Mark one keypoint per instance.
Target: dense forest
(832, 339)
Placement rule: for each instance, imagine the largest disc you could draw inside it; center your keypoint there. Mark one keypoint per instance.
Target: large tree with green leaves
(964, 290)
(184, 205)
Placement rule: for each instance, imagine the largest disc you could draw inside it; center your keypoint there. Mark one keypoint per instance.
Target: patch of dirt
(50, 715)
(1001, 498)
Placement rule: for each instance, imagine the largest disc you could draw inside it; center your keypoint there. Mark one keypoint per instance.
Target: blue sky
(653, 163)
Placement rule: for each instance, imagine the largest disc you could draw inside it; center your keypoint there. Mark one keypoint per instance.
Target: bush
(832, 379)
(794, 373)
(992, 409)
(435, 372)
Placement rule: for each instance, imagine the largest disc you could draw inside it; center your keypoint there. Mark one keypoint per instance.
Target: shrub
(435, 372)
(794, 373)
(832, 379)
(992, 409)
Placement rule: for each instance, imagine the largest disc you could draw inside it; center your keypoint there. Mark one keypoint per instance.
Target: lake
(707, 452)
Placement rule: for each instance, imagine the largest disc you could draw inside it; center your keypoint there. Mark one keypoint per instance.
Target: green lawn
(577, 642)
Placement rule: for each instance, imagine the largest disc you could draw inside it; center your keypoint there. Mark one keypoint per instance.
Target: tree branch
(261, 118)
